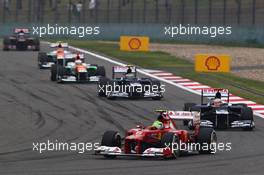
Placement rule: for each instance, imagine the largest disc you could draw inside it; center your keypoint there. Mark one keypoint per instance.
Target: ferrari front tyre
(111, 139)
(207, 141)
(171, 142)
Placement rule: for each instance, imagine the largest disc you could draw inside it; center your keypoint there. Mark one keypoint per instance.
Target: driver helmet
(158, 124)
(218, 95)
(129, 73)
(163, 117)
(78, 62)
(217, 102)
(129, 70)
(78, 56)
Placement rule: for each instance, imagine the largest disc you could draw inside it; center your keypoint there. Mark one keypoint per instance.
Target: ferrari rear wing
(182, 115)
(214, 93)
(185, 115)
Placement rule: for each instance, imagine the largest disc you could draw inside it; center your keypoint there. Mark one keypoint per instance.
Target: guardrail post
(238, 11)
(253, 12)
(108, 11)
(157, 11)
(131, 11)
(144, 11)
(224, 12)
(29, 11)
(84, 9)
(96, 12)
(4, 12)
(195, 12)
(210, 12)
(182, 11)
(70, 11)
(119, 11)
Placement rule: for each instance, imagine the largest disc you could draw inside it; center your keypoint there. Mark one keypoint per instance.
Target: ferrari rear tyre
(187, 107)
(207, 140)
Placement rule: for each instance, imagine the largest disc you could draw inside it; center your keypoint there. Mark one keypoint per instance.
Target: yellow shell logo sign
(134, 44)
(212, 63)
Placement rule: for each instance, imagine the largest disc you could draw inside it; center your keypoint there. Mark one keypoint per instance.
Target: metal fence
(198, 12)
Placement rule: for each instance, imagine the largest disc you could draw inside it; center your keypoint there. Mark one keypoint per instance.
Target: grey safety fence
(199, 12)
(156, 32)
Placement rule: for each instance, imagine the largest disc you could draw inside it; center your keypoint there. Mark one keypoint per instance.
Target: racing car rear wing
(214, 93)
(55, 45)
(74, 55)
(17, 30)
(124, 69)
(185, 115)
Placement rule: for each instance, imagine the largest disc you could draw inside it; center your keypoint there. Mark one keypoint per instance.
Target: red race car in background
(167, 141)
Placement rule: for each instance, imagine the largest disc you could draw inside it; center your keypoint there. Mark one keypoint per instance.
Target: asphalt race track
(35, 109)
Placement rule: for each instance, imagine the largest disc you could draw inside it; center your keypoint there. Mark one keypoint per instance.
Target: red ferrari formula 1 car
(165, 141)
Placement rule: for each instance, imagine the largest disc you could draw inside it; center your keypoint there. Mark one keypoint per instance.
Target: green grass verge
(243, 87)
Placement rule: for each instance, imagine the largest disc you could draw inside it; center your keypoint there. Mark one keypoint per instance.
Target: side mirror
(190, 125)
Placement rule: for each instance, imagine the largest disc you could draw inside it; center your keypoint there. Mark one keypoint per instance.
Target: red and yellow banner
(212, 63)
(134, 43)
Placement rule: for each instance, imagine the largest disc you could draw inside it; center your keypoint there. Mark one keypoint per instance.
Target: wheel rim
(118, 140)
(175, 152)
(213, 141)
